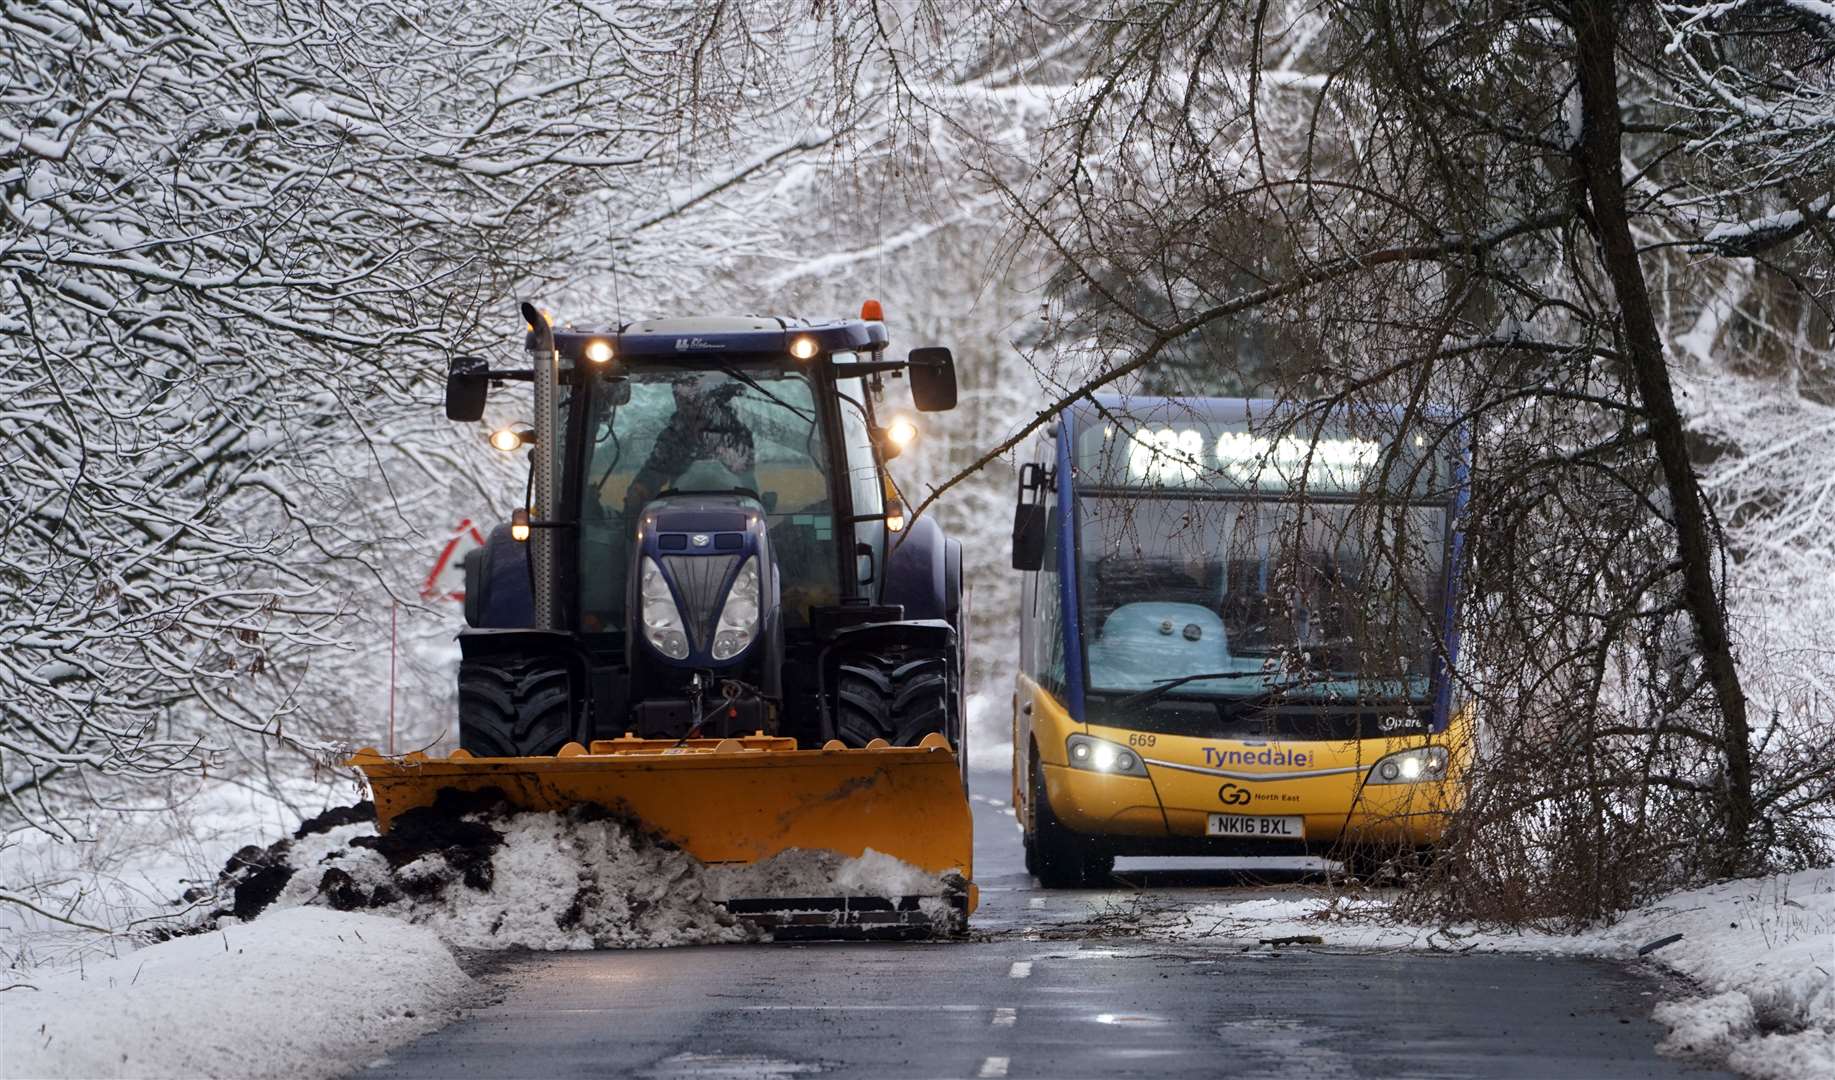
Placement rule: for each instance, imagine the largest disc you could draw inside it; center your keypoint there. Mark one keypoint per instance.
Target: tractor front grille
(698, 579)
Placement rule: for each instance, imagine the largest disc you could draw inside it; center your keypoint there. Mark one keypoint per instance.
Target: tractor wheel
(512, 708)
(1056, 856)
(896, 699)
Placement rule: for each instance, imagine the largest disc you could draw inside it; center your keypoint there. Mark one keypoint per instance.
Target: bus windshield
(1311, 600)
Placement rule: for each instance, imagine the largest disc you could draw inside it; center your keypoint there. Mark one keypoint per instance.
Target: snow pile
(300, 993)
(483, 876)
(1764, 951)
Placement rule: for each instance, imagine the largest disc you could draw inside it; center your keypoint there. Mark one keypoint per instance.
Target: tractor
(714, 612)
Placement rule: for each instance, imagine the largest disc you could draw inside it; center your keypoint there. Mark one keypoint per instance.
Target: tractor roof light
(901, 431)
(895, 515)
(519, 525)
(599, 351)
(804, 347)
(510, 440)
(872, 312)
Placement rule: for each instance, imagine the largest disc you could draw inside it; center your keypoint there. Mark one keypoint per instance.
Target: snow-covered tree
(1520, 211)
(237, 244)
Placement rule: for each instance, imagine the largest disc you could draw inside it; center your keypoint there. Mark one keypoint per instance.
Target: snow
(1761, 950)
(990, 730)
(802, 873)
(304, 990)
(496, 879)
(128, 869)
(1764, 950)
(556, 881)
(300, 993)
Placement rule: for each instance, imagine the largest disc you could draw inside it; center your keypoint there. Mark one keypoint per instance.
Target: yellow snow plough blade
(730, 801)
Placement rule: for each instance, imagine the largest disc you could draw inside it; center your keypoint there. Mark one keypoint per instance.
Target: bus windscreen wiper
(1165, 686)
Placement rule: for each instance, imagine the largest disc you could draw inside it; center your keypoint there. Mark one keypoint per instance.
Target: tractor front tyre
(897, 699)
(1059, 858)
(513, 708)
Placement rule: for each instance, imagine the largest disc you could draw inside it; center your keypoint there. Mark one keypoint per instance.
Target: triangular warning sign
(446, 581)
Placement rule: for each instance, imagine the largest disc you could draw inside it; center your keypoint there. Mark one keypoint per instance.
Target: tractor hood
(703, 584)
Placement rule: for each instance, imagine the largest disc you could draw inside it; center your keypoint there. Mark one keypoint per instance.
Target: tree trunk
(1595, 60)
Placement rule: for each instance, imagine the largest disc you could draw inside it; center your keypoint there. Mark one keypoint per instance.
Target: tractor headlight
(738, 623)
(663, 627)
(1424, 765)
(1100, 755)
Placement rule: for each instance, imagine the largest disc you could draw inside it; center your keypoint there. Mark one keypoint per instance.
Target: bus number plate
(1271, 828)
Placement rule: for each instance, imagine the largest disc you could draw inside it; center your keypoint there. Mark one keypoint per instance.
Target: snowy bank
(1762, 950)
(332, 945)
(300, 993)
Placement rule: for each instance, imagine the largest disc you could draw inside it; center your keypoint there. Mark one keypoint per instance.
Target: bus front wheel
(1059, 858)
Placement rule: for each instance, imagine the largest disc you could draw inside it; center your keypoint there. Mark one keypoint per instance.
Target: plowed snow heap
(485, 875)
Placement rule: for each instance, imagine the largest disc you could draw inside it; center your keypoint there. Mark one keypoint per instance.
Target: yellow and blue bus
(1237, 633)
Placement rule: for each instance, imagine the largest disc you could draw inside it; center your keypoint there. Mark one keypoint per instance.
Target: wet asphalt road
(1047, 989)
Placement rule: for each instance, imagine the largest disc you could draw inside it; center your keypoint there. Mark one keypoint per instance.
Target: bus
(1237, 634)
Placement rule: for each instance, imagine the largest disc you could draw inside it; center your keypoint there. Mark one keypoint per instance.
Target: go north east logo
(693, 344)
(1268, 755)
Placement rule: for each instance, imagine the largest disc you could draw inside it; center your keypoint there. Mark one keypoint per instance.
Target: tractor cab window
(673, 431)
(867, 488)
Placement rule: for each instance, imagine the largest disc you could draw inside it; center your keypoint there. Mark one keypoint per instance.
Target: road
(1045, 990)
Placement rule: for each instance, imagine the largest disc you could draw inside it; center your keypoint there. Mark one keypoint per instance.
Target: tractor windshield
(753, 430)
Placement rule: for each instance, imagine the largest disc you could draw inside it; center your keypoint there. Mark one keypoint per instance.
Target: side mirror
(468, 380)
(933, 379)
(1028, 536)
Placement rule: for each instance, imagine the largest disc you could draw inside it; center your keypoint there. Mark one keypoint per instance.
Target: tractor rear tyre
(513, 708)
(898, 699)
(1059, 858)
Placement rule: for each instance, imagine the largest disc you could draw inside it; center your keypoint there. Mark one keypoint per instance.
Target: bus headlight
(1411, 767)
(1100, 755)
(663, 627)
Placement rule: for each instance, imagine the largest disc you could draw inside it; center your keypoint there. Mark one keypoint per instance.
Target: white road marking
(1020, 970)
(1036, 902)
(1005, 1017)
(994, 1066)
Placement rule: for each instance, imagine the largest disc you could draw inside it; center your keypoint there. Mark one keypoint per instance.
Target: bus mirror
(467, 383)
(933, 379)
(1028, 536)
